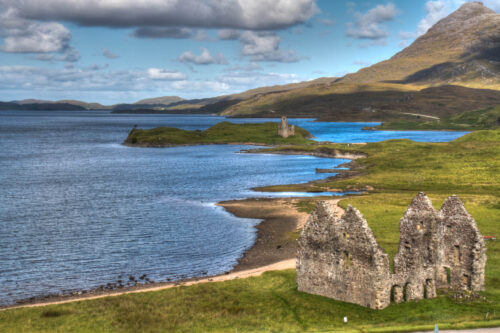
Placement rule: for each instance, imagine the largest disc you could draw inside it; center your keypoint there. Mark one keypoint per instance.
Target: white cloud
(109, 54)
(163, 74)
(163, 32)
(439, 9)
(435, 10)
(205, 58)
(25, 36)
(228, 34)
(92, 78)
(253, 66)
(327, 22)
(370, 24)
(252, 79)
(197, 86)
(241, 14)
(69, 54)
(265, 46)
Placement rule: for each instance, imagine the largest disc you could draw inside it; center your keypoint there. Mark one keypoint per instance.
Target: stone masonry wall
(340, 258)
(285, 130)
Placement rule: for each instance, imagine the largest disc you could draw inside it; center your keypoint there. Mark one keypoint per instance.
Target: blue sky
(120, 51)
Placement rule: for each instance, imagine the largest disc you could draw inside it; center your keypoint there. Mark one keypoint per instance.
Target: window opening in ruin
(466, 280)
(347, 259)
(405, 292)
(456, 254)
(393, 292)
(448, 274)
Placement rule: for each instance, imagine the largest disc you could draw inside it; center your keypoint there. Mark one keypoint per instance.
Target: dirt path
(421, 115)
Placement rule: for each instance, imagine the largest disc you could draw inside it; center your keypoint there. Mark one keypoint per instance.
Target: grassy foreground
(488, 118)
(397, 169)
(224, 132)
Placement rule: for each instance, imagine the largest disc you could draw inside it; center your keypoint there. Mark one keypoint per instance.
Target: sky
(121, 51)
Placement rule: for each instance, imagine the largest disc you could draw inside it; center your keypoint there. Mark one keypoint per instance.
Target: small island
(221, 133)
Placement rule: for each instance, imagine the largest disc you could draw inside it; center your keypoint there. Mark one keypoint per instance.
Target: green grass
(488, 118)
(470, 164)
(398, 169)
(270, 303)
(221, 133)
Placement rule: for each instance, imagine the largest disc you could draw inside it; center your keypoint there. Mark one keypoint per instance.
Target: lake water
(79, 210)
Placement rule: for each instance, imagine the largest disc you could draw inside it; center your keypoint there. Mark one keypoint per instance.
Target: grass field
(397, 170)
(224, 132)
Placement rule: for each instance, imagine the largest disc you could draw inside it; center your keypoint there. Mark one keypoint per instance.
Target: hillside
(49, 106)
(459, 55)
(27, 104)
(462, 49)
(165, 100)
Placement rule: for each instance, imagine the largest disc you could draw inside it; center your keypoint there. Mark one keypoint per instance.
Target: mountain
(37, 106)
(166, 100)
(462, 49)
(57, 105)
(452, 68)
(213, 104)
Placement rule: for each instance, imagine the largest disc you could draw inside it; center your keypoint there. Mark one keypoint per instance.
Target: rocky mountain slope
(454, 67)
(463, 49)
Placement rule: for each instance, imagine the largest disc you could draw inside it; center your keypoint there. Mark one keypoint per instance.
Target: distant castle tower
(285, 130)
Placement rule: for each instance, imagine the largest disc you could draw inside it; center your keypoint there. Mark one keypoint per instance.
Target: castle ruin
(285, 130)
(341, 259)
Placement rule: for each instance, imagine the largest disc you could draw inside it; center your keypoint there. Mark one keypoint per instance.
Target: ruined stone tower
(285, 130)
(341, 259)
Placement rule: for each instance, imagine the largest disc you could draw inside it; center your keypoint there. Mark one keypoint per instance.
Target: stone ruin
(341, 259)
(285, 130)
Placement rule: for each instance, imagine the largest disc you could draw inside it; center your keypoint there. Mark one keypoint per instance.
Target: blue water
(79, 210)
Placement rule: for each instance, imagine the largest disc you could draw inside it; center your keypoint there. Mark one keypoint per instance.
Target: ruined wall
(285, 130)
(415, 261)
(462, 252)
(340, 258)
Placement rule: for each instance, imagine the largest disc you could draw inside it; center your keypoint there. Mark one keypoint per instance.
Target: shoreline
(172, 145)
(274, 247)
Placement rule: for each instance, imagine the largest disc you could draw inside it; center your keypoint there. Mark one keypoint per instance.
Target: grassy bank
(488, 118)
(269, 303)
(221, 133)
(397, 170)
